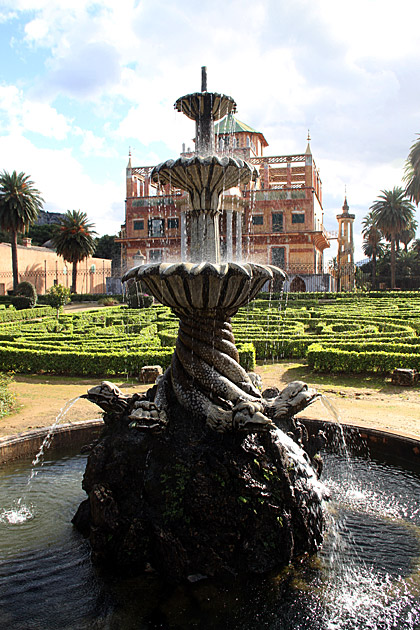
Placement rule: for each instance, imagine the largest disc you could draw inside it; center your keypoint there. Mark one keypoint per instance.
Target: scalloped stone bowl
(204, 178)
(194, 106)
(204, 289)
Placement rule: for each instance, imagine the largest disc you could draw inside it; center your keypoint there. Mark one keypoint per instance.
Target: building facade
(276, 220)
(44, 268)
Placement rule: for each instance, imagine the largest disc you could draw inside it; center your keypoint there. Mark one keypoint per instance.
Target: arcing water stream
(21, 510)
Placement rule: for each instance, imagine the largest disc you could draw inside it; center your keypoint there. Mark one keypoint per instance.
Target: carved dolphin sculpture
(295, 397)
(108, 397)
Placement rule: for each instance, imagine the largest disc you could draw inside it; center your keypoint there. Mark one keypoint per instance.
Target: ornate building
(276, 220)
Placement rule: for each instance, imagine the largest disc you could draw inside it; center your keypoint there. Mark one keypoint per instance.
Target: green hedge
(10, 315)
(81, 363)
(52, 361)
(334, 360)
(357, 324)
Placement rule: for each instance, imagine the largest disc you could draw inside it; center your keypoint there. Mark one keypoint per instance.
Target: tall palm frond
(74, 240)
(372, 242)
(20, 203)
(412, 172)
(407, 235)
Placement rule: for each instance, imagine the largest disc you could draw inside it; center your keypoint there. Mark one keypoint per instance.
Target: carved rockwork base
(186, 501)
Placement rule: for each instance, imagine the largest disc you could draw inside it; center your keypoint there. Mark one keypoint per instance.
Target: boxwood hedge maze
(346, 334)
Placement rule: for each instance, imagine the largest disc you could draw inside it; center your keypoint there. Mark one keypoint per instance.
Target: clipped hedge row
(335, 360)
(270, 331)
(10, 315)
(325, 295)
(76, 363)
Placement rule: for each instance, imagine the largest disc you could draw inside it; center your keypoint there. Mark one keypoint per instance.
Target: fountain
(203, 475)
(201, 484)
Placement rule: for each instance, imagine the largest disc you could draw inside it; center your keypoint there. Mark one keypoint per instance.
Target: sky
(84, 82)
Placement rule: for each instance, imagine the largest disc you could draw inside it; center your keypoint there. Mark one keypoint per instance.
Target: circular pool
(366, 576)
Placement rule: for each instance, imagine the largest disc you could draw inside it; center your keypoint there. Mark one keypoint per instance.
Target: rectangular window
(298, 217)
(156, 227)
(155, 255)
(278, 256)
(258, 219)
(139, 225)
(277, 218)
(173, 223)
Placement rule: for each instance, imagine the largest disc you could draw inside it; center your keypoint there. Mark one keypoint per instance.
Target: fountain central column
(205, 237)
(205, 175)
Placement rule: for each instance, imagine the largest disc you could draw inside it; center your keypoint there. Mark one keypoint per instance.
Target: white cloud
(374, 28)
(64, 184)
(36, 30)
(343, 71)
(94, 145)
(21, 113)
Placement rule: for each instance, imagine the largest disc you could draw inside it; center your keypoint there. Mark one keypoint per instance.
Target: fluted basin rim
(204, 289)
(222, 104)
(203, 161)
(219, 270)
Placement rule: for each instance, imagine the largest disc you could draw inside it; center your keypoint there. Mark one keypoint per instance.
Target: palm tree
(392, 213)
(407, 264)
(407, 235)
(20, 204)
(412, 173)
(372, 242)
(415, 246)
(74, 240)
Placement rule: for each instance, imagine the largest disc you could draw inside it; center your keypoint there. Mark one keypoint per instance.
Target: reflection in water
(365, 576)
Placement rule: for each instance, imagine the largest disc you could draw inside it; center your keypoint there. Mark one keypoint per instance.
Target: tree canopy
(20, 203)
(412, 173)
(74, 240)
(392, 213)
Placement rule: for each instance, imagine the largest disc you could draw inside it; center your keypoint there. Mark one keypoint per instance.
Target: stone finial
(308, 148)
(204, 78)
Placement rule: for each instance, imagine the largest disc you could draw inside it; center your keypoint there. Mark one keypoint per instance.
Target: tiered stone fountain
(203, 475)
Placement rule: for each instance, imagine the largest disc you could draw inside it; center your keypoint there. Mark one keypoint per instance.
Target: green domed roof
(229, 124)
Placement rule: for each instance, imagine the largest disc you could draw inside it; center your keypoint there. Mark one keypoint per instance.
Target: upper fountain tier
(206, 175)
(205, 107)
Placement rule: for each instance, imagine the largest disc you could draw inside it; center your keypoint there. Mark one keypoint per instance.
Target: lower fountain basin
(366, 574)
(204, 289)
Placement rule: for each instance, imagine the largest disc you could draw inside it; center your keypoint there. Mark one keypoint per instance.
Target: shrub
(58, 296)
(136, 299)
(7, 400)
(21, 302)
(27, 289)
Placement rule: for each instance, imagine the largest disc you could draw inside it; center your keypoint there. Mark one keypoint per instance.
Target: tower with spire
(345, 254)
